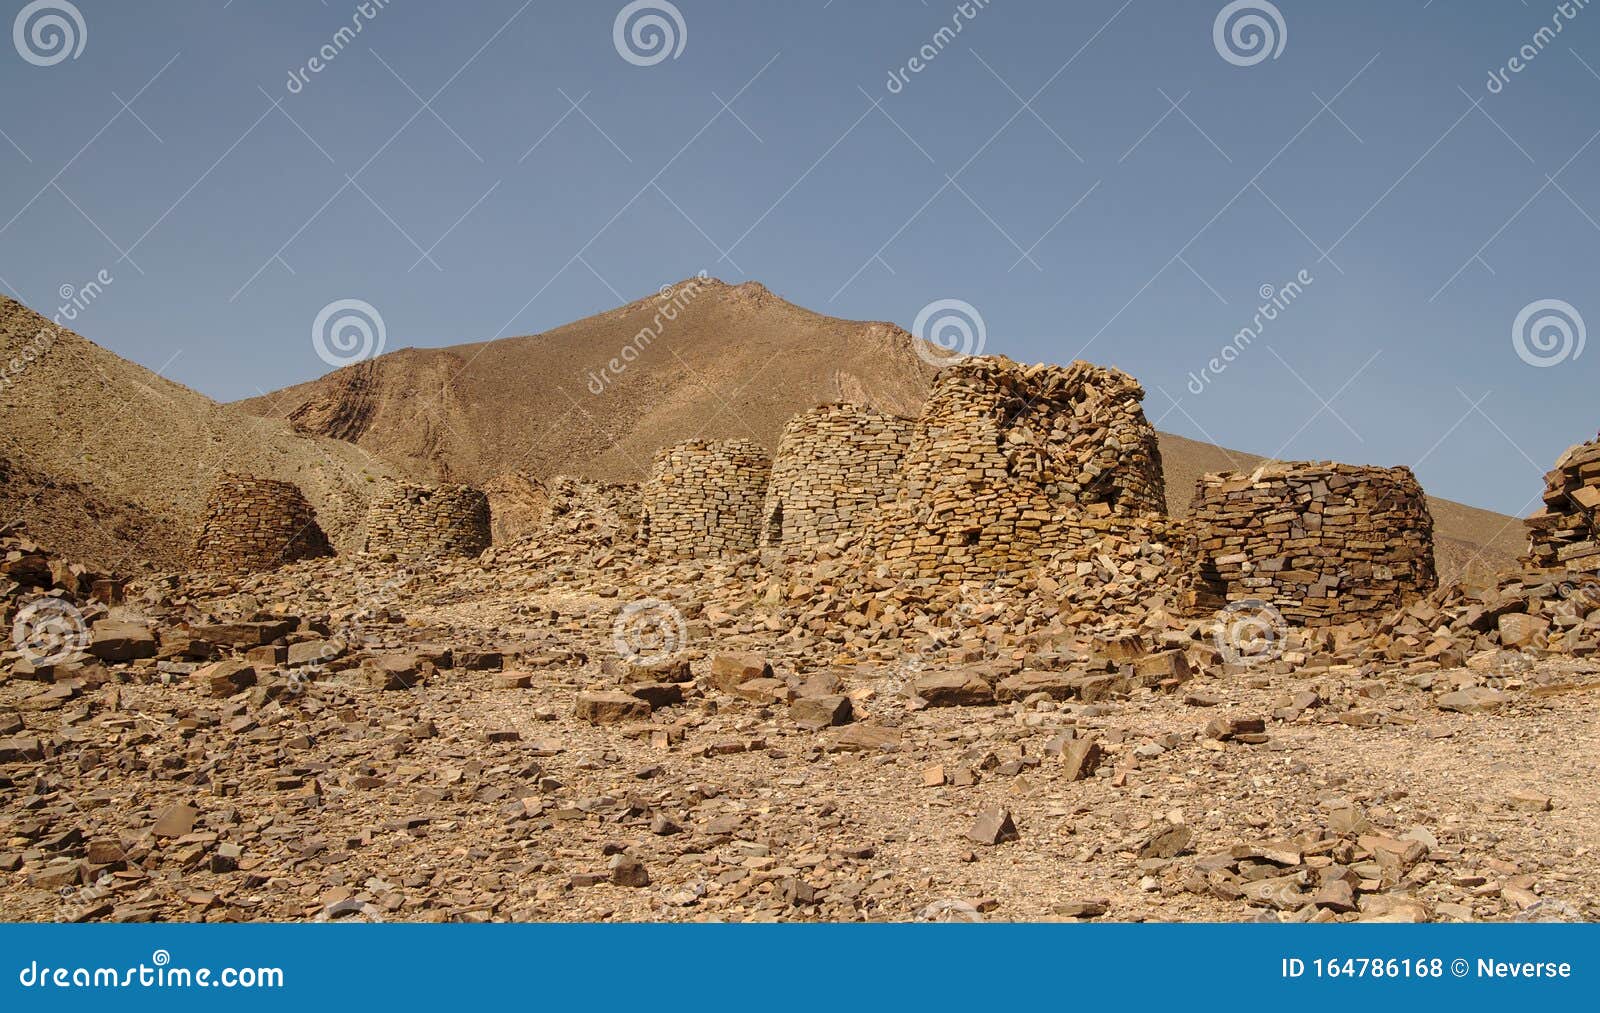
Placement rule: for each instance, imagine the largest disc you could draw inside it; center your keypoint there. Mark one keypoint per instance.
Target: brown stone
(625, 870)
(1167, 841)
(393, 672)
(1080, 758)
(658, 694)
(993, 826)
(609, 708)
(175, 821)
(731, 670)
(814, 713)
(121, 641)
(224, 678)
(954, 689)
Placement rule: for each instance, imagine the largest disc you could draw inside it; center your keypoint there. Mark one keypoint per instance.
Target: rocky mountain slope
(597, 397)
(110, 463)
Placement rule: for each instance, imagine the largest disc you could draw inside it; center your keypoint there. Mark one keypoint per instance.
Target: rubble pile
(51, 607)
(1349, 871)
(1322, 543)
(576, 505)
(257, 524)
(1541, 612)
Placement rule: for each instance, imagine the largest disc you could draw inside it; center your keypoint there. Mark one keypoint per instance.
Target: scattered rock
(993, 826)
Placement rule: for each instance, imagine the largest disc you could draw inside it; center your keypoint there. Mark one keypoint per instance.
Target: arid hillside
(599, 396)
(110, 463)
(736, 361)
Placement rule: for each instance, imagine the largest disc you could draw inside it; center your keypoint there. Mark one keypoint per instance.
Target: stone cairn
(1565, 533)
(835, 466)
(257, 524)
(416, 521)
(1322, 543)
(704, 498)
(1006, 464)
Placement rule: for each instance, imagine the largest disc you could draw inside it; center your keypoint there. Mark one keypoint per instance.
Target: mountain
(599, 396)
(110, 464)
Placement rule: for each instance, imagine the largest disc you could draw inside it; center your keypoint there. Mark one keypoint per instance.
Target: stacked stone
(616, 502)
(704, 498)
(257, 524)
(1323, 543)
(1565, 533)
(835, 466)
(1007, 461)
(417, 521)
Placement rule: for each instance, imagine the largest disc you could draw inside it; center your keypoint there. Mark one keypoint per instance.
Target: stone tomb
(1323, 543)
(254, 524)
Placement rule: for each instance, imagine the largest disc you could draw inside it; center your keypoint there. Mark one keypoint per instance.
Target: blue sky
(1097, 179)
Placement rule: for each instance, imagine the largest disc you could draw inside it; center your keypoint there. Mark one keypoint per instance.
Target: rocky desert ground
(567, 729)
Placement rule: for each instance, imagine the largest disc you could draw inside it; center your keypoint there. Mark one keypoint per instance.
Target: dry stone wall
(1007, 461)
(835, 466)
(417, 521)
(1565, 533)
(704, 498)
(1323, 543)
(255, 524)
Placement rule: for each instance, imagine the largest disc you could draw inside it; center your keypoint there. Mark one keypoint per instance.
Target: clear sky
(1102, 179)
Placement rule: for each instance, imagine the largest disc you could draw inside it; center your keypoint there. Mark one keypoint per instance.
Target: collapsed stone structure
(1565, 533)
(1323, 543)
(704, 498)
(415, 521)
(836, 464)
(257, 524)
(1008, 461)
